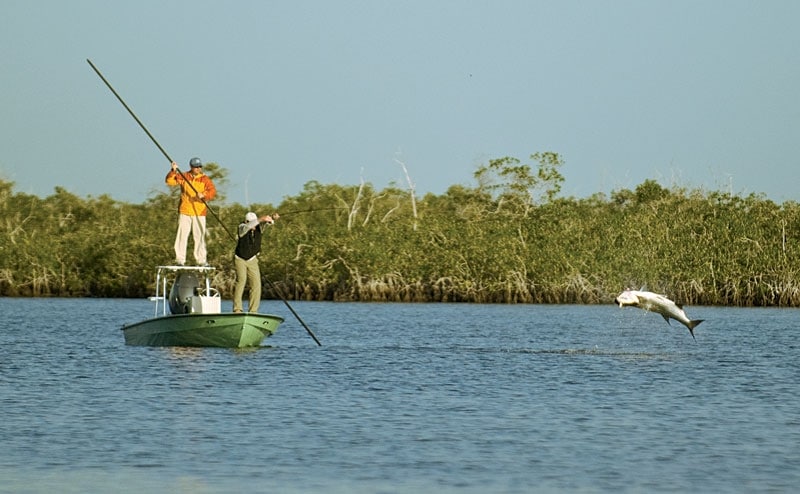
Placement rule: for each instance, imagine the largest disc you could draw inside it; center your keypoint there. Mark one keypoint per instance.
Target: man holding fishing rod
(245, 259)
(196, 189)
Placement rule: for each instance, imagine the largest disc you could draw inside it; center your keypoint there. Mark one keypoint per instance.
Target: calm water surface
(403, 398)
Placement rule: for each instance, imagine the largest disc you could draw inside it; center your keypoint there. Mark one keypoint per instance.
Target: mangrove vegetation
(509, 238)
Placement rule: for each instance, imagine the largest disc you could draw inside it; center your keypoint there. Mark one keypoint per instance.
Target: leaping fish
(660, 304)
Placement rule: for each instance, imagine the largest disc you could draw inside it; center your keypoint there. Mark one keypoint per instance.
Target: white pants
(197, 226)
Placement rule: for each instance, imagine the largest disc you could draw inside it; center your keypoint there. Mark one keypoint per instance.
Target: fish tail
(692, 324)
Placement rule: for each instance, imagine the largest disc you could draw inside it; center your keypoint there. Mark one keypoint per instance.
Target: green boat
(195, 318)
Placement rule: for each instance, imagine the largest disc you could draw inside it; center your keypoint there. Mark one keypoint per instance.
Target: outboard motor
(184, 289)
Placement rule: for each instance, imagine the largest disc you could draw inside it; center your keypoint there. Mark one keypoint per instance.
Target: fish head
(628, 297)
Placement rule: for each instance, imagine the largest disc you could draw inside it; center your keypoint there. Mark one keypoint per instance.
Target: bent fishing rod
(312, 210)
(275, 288)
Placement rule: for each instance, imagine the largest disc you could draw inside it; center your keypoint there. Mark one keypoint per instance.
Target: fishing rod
(313, 210)
(195, 190)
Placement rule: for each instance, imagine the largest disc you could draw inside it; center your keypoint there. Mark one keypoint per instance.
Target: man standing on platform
(196, 189)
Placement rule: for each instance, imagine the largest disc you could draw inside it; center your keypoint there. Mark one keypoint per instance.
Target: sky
(699, 94)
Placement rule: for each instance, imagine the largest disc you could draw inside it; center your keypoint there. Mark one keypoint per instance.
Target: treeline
(508, 239)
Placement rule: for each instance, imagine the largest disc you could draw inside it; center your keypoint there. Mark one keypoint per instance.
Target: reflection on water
(402, 398)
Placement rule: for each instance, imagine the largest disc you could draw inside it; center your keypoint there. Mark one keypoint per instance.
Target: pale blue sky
(702, 94)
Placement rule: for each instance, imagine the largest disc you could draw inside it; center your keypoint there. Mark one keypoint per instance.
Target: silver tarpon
(659, 304)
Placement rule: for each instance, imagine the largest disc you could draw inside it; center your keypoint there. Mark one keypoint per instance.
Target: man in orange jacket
(196, 189)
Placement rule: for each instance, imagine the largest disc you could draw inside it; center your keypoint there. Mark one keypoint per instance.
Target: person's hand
(174, 166)
(201, 196)
(268, 219)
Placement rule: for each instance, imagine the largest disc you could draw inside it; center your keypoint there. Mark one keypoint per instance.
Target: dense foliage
(509, 239)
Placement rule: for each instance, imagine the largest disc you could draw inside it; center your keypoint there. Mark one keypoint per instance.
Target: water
(403, 398)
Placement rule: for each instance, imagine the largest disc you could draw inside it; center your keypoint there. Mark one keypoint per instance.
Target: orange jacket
(192, 205)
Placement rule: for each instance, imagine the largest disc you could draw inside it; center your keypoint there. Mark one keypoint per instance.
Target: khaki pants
(247, 271)
(196, 225)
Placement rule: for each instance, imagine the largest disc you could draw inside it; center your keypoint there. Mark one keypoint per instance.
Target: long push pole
(156, 143)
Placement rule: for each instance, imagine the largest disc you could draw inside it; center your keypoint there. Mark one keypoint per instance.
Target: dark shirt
(249, 244)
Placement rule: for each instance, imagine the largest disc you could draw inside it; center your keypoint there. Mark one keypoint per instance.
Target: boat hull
(226, 330)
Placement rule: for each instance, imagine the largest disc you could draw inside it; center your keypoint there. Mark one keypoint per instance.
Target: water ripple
(402, 398)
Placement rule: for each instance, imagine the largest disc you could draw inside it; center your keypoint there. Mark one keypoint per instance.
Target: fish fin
(692, 324)
(666, 318)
